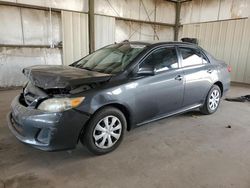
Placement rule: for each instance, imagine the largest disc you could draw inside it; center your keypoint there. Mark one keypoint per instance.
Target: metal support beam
(139, 21)
(176, 1)
(27, 46)
(21, 5)
(177, 20)
(91, 22)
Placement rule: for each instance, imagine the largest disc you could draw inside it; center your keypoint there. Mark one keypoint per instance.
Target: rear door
(197, 75)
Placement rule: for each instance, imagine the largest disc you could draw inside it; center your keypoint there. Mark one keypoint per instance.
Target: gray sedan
(116, 88)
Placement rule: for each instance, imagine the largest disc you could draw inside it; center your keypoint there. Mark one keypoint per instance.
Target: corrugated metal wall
(127, 30)
(226, 40)
(104, 31)
(25, 26)
(75, 36)
(26, 35)
(159, 11)
(197, 11)
(14, 59)
(20, 30)
(149, 10)
(74, 5)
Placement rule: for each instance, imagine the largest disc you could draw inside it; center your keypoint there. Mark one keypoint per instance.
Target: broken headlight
(60, 104)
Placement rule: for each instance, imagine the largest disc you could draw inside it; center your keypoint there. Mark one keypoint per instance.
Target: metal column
(177, 20)
(91, 19)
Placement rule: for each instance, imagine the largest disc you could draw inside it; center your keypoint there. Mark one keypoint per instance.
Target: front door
(162, 93)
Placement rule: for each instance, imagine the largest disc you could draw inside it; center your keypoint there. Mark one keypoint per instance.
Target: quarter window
(204, 59)
(191, 57)
(162, 60)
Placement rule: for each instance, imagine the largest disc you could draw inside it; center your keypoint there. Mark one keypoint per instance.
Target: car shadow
(192, 113)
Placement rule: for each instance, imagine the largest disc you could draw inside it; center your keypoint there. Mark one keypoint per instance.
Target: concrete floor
(190, 150)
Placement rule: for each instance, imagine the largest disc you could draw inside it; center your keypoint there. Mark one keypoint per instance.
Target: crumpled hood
(60, 76)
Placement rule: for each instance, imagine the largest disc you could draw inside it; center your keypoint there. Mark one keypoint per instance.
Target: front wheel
(212, 101)
(105, 131)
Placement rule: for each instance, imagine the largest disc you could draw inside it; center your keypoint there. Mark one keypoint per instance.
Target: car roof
(158, 43)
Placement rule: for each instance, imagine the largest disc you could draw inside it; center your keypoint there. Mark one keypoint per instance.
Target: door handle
(178, 77)
(209, 71)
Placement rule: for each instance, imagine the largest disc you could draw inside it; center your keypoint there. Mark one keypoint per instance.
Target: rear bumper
(44, 130)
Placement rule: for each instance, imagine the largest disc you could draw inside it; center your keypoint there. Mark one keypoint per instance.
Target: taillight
(229, 68)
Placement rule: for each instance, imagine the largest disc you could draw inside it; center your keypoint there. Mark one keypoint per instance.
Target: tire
(212, 101)
(100, 136)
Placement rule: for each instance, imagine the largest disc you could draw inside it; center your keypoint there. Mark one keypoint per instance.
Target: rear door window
(191, 57)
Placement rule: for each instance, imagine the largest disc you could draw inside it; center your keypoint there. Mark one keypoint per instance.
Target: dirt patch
(27, 180)
(4, 145)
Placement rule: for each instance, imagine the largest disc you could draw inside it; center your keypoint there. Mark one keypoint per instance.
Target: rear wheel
(212, 101)
(105, 131)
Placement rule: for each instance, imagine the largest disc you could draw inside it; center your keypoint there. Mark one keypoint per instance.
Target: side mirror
(146, 71)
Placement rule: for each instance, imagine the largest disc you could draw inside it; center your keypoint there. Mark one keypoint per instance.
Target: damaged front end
(44, 114)
(58, 81)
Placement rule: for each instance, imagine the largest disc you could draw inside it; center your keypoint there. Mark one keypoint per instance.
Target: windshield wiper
(86, 68)
(89, 69)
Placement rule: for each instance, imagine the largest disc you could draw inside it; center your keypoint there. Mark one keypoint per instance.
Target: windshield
(111, 59)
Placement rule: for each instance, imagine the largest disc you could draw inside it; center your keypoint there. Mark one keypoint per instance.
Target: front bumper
(44, 130)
